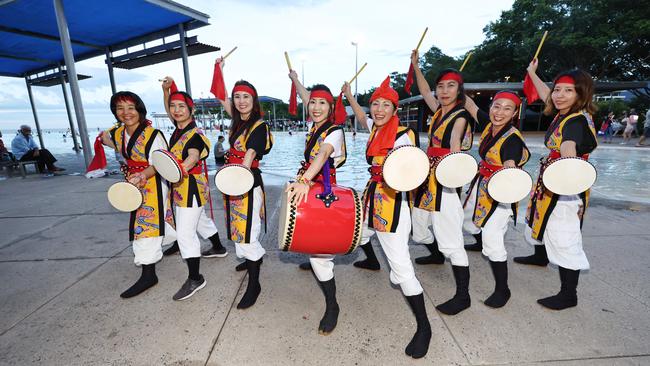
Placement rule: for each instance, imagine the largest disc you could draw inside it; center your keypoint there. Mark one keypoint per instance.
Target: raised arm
(302, 91)
(542, 89)
(166, 84)
(423, 86)
(359, 113)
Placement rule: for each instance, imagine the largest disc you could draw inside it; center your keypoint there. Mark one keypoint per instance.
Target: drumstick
(539, 48)
(469, 55)
(422, 38)
(228, 54)
(286, 57)
(358, 72)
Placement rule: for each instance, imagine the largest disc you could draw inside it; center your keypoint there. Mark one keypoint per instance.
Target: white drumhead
(166, 166)
(456, 169)
(234, 180)
(567, 176)
(406, 168)
(124, 196)
(509, 185)
(283, 219)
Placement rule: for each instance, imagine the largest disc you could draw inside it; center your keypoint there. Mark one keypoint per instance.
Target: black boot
(436, 256)
(501, 293)
(461, 299)
(567, 297)
(331, 316)
(419, 344)
(305, 266)
(478, 246)
(371, 261)
(241, 266)
(217, 250)
(147, 279)
(171, 250)
(538, 259)
(253, 289)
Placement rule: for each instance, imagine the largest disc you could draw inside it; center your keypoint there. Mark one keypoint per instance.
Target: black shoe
(171, 250)
(478, 246)
(253, 289)
(189, 288)
(461, 299)
(305, 266)
(331, 316)
(501, 293)
(147, 280)
(419, 344)
(241, 266)
(436, 256)
(215, 253)
(538, 259)
(568, 296)
(371, 261)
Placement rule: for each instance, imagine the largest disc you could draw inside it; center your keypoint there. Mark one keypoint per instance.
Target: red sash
(486, 170)
(136, 166)
(556, 155)
(376, 173)
(433, 152)
(237, 157)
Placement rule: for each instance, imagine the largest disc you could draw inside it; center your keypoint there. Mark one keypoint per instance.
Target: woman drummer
(250, 139)
(450, 131)
(501, 146)
(190, 147)
(555, 221)
(386, 210)
(151, 225)
(325, 143)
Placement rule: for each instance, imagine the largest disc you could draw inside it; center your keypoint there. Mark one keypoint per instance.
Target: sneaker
(189, 288)
(215, 253)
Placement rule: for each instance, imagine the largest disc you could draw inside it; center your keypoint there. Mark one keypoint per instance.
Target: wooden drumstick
(469, 55)
(358, 72)
(286, 57)
(228, 54)
(539, 48)
(422, 38)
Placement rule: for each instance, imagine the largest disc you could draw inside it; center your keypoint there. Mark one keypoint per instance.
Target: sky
(317, 35)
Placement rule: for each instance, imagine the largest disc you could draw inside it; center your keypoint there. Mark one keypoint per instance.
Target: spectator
(5, 155)
(630, 126)
(219, 152)
(607, 128)
(646, 130)
(25, 148)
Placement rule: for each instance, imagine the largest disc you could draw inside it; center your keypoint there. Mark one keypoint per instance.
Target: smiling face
(244, 103)
(502, 111)
(564, 96)
(447, 92)
(127, 113)
(319, 109)
(180, 111)
(381, 111)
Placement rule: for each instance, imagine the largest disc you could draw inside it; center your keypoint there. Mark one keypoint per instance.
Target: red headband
(386, 92)
(452, 75)
(508, 95)
(245, 89)
(565, 79)
(322, 94)
(182, 98)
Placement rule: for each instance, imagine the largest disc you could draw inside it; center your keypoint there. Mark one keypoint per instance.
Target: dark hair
(584, 88)
(515, 119)
(321, 87)
(220, 137)
(461, 86)
(133, 98)
(238, 125)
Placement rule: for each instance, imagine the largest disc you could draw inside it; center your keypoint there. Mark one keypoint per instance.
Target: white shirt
(401, 141)
(336, 139)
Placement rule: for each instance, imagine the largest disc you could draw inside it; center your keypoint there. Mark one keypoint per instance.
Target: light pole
(356, 66)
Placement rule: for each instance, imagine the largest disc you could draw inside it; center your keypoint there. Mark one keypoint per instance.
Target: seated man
(24, 148)
(219, 152)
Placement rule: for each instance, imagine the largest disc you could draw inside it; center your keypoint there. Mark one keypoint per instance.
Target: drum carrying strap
(205, 171)
(237, 157)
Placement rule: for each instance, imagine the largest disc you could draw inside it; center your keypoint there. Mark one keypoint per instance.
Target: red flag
(340, 115)
(99, 160)
(293, 100)
(529, 90)
(173, 88)
(409, 80)
(218, 88)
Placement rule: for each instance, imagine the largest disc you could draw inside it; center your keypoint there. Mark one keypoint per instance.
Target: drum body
(322, 225)
(167, 166)
(509, 185)
(405, 168)
(234, 179)
(125, 196)
(568, 176)
(456, 169)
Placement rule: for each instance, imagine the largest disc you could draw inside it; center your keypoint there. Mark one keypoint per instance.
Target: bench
(20, 165)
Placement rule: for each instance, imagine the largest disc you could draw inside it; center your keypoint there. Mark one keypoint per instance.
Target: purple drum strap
(327, 186)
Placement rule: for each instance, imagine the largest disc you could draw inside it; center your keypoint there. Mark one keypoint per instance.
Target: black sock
(193, 268)
(147, 279)
(216, 242)
(419, 344)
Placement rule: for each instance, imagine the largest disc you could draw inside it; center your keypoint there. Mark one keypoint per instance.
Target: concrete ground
(65, 258)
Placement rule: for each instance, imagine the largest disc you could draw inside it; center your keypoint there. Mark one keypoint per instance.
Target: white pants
(528, 236)
(395, 246)
(253, 251)
(421, 220)
(563, 238)
(323, 266)
(493, 231)
(187, 226)
(149, 250)
(206, 227)
(447, 227)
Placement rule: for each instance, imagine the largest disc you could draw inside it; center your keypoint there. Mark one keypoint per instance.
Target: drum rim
(572, 158)
(396, 149)
(233, 166)
(122, 183)
(509, 168)
(448, 155)
(168, 154)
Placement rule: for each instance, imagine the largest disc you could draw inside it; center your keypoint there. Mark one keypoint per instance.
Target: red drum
(322, 225)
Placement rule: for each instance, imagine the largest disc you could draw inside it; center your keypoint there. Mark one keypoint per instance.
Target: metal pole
(31, 101)
(522, 113)
(186, 67)
(273, 114)
(356, 69)
(303, 83)
(62, 24)
(109, 64)
(67, 109)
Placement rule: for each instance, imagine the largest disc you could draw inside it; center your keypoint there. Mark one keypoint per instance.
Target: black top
(577, 130)
(511, 149)
(195, 142)
(483, 118)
